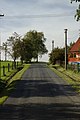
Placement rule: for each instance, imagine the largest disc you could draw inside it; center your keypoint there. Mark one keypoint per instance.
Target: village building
(74, 53)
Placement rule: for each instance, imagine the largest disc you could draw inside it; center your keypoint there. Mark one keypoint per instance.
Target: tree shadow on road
(40, 88)
(40, 112)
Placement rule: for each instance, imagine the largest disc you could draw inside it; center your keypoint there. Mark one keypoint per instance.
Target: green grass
(20, 73)
(70, 76)
(11, 83)
(7, 74)
(5, 63)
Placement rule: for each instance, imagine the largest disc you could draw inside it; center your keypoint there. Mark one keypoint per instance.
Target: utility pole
(52, 44)
(66, 60)
(1, 15)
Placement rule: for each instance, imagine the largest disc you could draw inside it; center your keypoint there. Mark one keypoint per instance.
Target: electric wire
(37, 16)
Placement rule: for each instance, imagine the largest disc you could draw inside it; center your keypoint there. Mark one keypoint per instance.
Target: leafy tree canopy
(77, 15)
(57, 54)
(30, 46)
(37, 40)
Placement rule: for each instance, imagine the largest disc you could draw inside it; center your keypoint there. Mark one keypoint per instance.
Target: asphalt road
(41, 95)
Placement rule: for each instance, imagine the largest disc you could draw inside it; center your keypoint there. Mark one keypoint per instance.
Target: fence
(74, 66)
(9, 67)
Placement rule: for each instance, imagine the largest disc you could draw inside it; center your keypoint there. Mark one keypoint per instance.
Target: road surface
(41, 95)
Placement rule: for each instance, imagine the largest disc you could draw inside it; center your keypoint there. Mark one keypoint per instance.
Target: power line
(38, 16)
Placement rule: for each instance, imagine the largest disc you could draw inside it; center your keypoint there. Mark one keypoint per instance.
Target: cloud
(48, 16)
(17, 7)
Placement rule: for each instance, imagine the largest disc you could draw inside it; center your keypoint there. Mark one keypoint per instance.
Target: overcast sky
(48, 16)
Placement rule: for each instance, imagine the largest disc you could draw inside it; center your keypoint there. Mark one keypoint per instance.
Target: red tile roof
(76, 46)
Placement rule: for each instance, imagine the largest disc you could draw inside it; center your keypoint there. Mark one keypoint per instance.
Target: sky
(48, 16)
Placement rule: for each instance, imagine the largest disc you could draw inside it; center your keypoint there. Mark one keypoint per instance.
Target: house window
(74, 55)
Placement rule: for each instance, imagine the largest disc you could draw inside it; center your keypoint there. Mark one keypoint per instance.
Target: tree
(27, 49)
(77, 16)
(13, 43)
(57, 54)
(75, 1)
(36, 40)
(16, 47)
(30, 46)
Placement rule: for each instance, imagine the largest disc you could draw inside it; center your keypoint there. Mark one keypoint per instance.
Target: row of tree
(31, 45)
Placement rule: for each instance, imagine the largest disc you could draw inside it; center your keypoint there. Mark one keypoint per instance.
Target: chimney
(52, 44)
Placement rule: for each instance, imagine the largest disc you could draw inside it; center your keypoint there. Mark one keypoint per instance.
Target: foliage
(77, 16)
(27, 49)
(13, 42)
(35, 44)
(75, 1)
(57, 55)
(30, 46)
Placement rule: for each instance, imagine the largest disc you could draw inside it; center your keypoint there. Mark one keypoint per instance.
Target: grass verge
(11, 83)
(70, 76)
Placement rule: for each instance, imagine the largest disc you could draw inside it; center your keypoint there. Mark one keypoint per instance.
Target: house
(74, 53)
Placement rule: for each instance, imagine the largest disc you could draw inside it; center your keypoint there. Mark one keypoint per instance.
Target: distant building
(74, 53)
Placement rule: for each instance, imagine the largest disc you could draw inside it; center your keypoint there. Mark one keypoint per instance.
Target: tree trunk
(15, 63)
(5, 55)
(21, 60)
(37, 59)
